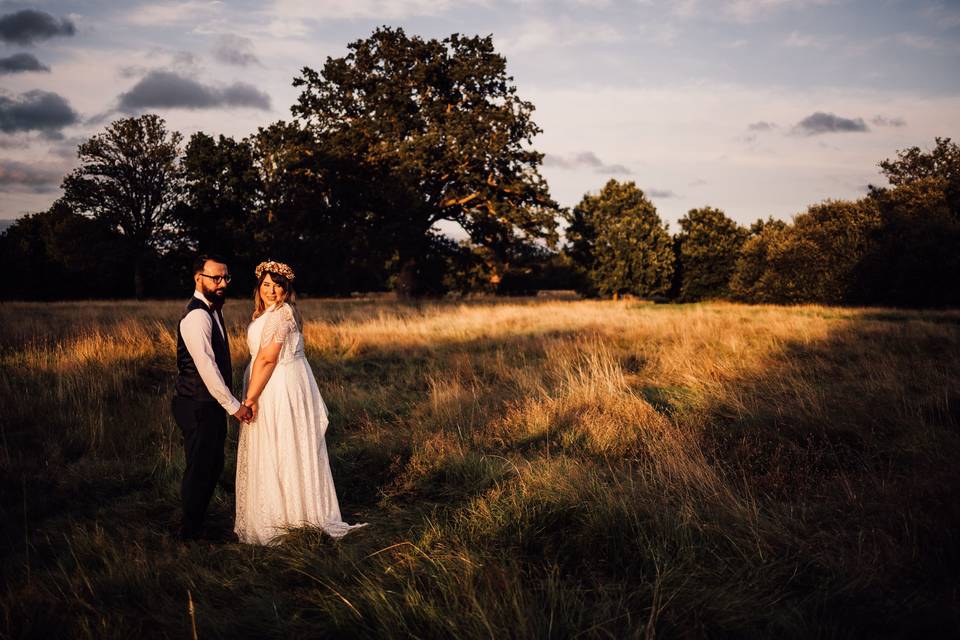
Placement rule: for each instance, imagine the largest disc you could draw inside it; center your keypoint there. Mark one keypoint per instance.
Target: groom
(202, 397)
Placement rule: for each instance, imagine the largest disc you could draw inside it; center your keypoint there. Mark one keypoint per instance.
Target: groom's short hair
(202, 259)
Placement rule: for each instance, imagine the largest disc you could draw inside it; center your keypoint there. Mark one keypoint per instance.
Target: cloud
(21, 62)
(539, 34)
(741, 11)
(586, 159)
(942, 16)
(169, 13)
(883, 121)
(762, 125)
(35, 111)
(932, 44)
(29, 25)
(357, 9)
(21, 177)
(235, 50)
(13, 142)
(821, 122)
(799, 41)
(67, 148)
(746, 11)
(660, 193)
(166, 89)
(183, 63)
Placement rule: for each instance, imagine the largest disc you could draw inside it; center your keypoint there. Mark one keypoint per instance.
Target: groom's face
(212, 281)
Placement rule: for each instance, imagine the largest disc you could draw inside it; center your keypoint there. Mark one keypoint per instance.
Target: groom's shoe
(217, 534)
(187, 534)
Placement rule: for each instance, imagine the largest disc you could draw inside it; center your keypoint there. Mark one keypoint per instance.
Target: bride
(283, 472)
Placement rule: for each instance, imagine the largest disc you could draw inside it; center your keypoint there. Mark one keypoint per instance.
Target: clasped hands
(247, 412)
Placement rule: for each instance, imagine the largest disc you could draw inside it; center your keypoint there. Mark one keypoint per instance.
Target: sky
(758, 107)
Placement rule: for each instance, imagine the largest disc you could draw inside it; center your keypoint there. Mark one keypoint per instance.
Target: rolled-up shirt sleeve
(196, 330)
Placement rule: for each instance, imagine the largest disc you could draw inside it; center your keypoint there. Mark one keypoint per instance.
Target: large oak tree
(436, 130)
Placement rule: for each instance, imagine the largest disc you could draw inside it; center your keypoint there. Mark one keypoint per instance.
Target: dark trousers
(204, 429)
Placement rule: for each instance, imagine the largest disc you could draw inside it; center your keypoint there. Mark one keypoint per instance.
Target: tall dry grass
(529, 469)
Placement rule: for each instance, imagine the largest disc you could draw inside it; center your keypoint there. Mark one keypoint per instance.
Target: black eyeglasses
(218, 279)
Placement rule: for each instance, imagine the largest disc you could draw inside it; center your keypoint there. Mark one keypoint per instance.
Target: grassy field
(529, 469)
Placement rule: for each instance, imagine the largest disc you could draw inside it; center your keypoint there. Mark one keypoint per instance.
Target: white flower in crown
(275, 267)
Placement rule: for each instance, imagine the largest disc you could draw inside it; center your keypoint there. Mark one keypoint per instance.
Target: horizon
(757, 107)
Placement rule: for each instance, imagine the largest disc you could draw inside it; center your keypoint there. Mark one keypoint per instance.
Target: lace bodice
(277, 325)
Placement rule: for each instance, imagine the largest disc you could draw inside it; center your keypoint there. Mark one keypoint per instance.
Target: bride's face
(270, 291)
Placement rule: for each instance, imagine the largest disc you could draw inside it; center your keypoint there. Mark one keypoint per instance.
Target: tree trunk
(138, 279)
(409, 280)
(407, 284)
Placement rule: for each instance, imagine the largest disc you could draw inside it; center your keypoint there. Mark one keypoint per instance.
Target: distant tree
(221, 194)
(750, 281)
(707, 248)
(58, 254)
(913, 258)
(436, 131)
(316, 212)
(940, 167)
(620, 243)
(529, 268)
(812, 260)
(130, 179)
(821, 250)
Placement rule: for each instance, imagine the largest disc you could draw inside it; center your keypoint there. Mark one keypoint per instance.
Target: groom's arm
(196, 330)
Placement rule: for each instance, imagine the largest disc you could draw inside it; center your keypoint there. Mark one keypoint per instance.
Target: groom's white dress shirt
(196, 329)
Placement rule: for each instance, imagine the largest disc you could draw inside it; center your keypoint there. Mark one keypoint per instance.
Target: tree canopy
(437, 126)
(620, 243)
(707, 248)
(129, 178)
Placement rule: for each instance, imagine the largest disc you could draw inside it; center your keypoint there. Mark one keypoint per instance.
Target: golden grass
(530, 468)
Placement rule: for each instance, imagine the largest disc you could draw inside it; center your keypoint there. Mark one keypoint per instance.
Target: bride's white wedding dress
(283, 472)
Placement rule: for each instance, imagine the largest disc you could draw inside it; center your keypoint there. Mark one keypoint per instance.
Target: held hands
(253, 407)
(244, 414)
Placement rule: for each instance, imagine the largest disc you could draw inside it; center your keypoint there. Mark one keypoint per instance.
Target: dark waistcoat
(189, 383)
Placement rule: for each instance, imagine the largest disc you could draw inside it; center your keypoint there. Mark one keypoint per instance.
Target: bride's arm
(263, 366)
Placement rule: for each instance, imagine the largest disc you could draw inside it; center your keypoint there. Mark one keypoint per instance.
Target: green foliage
(619, 242)
(437, 129)
(811, 260)
(707, 248)
(528, 268)
(129, 178)
(896, 247)
(751, 274)
(913, 259)
(941, 165)
(221, 192)
(59, 254)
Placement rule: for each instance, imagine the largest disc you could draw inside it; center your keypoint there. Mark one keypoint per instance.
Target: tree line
(404, 133)
(899, 245)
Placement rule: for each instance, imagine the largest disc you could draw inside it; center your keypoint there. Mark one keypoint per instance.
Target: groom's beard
(216, 296)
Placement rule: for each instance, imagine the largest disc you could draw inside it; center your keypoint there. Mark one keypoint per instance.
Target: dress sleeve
(279, 325)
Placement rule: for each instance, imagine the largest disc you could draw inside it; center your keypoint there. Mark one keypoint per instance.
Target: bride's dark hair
(289, 296)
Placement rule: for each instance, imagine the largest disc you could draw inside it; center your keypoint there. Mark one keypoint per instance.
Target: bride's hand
(253, 407)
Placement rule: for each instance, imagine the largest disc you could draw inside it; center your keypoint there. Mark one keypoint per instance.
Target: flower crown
(278, 268)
